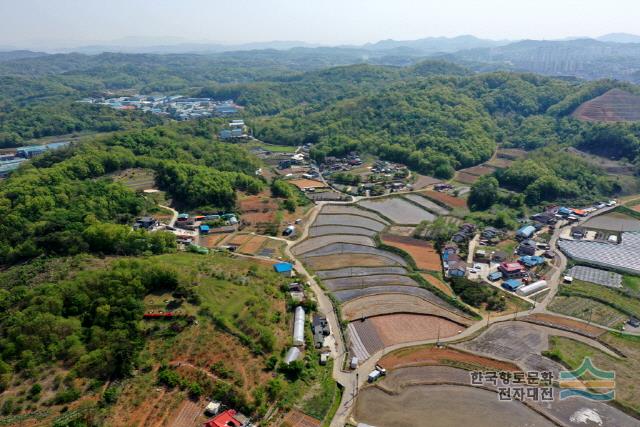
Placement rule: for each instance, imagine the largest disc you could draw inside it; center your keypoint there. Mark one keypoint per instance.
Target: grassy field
(631, 282)
(589, 310)
(617, 300)
(322, 395)
(273, 148)
(571, 353)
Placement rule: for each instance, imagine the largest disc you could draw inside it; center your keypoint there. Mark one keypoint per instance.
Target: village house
(511, 270)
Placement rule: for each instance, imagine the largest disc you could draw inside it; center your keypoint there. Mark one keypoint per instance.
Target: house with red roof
(224, 419)
(511, 270)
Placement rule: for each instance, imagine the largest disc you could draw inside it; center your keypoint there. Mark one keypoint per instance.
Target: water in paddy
(442, 406)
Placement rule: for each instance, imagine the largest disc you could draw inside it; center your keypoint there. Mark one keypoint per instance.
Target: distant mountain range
(583, 58)
(614, 55)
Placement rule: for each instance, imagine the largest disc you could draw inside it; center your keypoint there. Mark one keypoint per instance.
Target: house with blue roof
(496, 275)
(512, 285)
(531, 261)
(204, 229)
(283, 268)
(526, 232)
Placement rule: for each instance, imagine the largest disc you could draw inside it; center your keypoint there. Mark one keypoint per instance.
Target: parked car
(634, 322)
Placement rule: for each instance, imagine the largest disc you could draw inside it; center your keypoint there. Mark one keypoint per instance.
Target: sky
(49, 23)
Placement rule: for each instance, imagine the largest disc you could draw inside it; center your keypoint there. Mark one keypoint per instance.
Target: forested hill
(65, 202)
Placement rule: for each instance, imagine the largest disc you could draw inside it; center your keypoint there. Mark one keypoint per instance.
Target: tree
(484, 193)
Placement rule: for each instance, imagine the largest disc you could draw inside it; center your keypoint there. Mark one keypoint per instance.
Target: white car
(473, 271)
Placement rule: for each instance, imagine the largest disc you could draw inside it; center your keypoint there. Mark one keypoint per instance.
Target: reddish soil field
(466, 178)
(423, 253)
(257, 203)
(253, 245)
(636, 208)
(432, 356)
(453, 202)
(212, 240)
(614, 106)
(255, 218)
(424, 181)
(399, 328)
(564, 323)
(296, 418)
(307, 183)
(437, 283)
(479, 170)
(239, 239)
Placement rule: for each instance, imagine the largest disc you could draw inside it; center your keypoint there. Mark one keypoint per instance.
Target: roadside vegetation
(571, 354)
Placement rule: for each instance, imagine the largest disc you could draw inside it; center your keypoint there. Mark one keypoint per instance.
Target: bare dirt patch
(479, 170)
(438, 283)
(511, 153)
(213, 240)
(423, 253)
(452, 202)
(253, 245)
(466, 178)
(615, 105)
(296, 418)
(307, 183)
(400, 328)
(423, 181)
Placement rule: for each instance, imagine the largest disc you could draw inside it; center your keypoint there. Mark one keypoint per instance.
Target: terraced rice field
(351, 210)
(452, 202)
(398, 210)
(422, 252)
(349, 248)
(359, 271)
(324, 230)
(378, 332)
(379, 304)
(427, 204)
(315, 243)
(470, 407)
(359, 282)
(350, 220)
(348, 295)
(330, 262)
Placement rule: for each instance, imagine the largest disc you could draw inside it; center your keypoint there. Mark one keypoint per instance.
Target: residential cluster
(235, 129)
(351, 175)
(11, 161)
(175, 106)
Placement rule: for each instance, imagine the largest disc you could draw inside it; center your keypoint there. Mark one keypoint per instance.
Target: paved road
(174, 217)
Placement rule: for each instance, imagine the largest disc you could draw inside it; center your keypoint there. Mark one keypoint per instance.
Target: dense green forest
(65, 203)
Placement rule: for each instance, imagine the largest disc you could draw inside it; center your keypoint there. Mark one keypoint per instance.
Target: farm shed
(283, 268)
(292, 355)
(512, 285)
(532, 288)
(526, 232)
(298, 327)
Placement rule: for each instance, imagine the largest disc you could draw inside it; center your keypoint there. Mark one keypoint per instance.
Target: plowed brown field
(453, 202)
(423, 253)
(433, 356)
(400, 328)
(437, 283)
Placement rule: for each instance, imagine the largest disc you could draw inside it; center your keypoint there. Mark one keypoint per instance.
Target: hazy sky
(77, 22)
